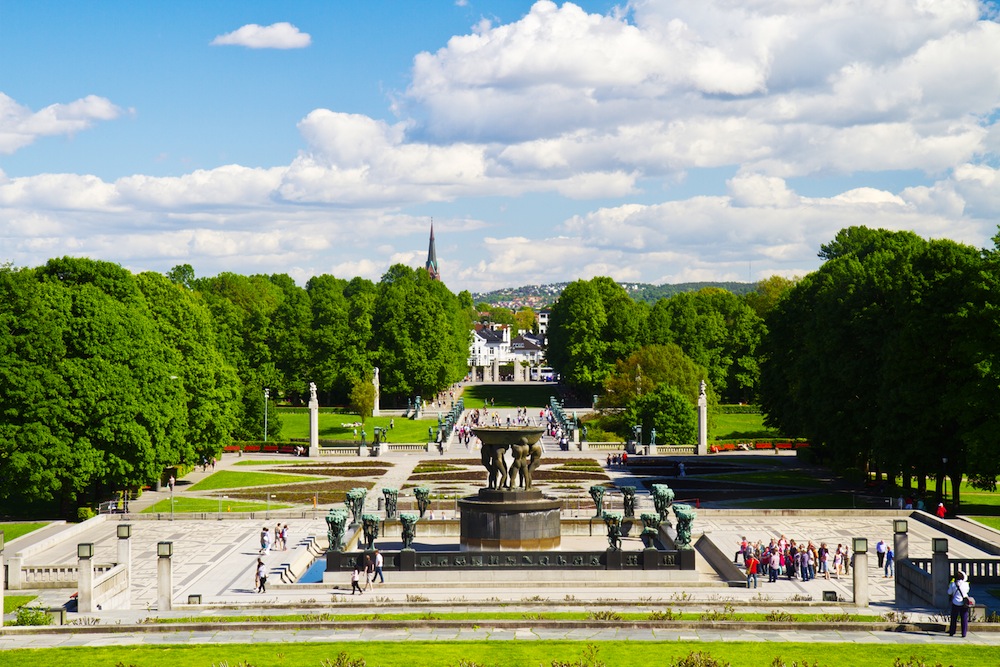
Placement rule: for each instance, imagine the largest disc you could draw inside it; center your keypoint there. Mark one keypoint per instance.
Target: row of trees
(888, 357)
(107, 377)
(595, 323)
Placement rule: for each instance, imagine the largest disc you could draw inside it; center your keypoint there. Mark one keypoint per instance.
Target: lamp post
(221, 498)
(267, 395)
(171, 502)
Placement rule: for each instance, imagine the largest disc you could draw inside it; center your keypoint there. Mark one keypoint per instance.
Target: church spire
(432, 260)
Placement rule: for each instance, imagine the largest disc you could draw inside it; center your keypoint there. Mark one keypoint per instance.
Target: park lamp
(85, 550)
(860, 545)
(124, 531)
(899, 526)
(164, 549)
(939, 545)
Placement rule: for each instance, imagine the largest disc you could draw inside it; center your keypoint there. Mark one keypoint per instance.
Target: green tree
(667, 410)
(717, 331)
(363, 398)
(420, 338)
(592, 325)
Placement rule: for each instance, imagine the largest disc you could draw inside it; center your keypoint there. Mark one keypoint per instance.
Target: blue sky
(654, 141)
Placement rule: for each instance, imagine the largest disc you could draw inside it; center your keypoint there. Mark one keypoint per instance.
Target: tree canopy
(887, 356)
(107, 378)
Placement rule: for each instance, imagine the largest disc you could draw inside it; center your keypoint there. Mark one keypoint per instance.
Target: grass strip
(12, 602)
(14, 530)
(238, 479)
(185, 505)
(495, 653)
(486, 617)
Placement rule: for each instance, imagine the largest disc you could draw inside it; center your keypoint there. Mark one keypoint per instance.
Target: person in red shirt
(941, 511)
(752, 565)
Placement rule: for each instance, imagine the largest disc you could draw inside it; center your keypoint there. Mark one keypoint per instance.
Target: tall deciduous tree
(592, 325)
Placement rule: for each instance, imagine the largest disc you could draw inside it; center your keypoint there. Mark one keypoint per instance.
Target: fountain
(509, 514)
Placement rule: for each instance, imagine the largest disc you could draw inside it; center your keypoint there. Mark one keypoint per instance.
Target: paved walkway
(479, 631)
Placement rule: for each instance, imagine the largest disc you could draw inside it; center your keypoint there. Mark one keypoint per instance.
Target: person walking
(890, 563)
(941, 511)
(880, 552)
(261, 576)
(355, 581)
(379, 562)
(958, 592)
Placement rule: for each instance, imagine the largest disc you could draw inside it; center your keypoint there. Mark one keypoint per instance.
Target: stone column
(14, 564)
(496, 370)
(702, 421)
(313, 427)
(940, 573)
(164, 576)
(125, 558)
(376, 412)
(860, 570)
(900, 543)
(85, 578)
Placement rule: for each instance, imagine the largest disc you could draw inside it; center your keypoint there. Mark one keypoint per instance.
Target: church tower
(432, 260)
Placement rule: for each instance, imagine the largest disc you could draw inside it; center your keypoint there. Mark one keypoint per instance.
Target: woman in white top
(958, 592)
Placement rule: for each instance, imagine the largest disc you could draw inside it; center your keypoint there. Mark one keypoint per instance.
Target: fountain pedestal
(509, 520)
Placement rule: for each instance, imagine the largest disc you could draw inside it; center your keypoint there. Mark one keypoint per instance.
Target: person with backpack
(958, 593)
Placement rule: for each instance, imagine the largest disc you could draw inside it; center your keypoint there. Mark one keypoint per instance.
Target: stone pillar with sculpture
(702, 419)
(376, 412)
(313, 421)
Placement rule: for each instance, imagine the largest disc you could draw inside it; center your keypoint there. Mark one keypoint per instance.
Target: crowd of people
(782, 557)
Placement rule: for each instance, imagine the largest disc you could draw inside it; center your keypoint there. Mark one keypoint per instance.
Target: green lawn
(185, 504)
(12, 602)
(736, 426)
(296, 425)
(12, 531)
(503, 654)
(509, 396)
(772, 477)
(238, 479)
(991, 521)
(811, 502)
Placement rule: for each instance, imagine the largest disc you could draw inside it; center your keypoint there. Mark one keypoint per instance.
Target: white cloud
(20, 127)
(569, 107)
(275, 36)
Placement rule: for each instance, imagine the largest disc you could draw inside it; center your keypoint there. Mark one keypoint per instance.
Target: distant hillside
(540, 296)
